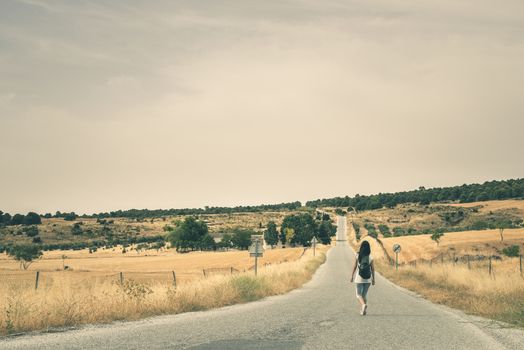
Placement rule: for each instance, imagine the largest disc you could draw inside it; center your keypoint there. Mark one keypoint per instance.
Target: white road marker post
(314, 241)
(396, 249)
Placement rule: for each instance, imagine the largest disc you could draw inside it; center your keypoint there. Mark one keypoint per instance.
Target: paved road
(321, 315)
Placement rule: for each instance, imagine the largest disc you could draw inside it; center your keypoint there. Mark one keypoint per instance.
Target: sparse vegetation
(25, 254)
(356, 227)
(472, 290)
(513, 251)
(384, 230)
(436, 236)
(68, 303)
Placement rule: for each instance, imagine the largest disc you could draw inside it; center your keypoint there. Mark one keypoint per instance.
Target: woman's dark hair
(365, 250)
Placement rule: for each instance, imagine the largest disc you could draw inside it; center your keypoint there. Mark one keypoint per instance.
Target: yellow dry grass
(144, 266)
(494, 205)
(498, 296)
(68, 301)
(472, 289)
(484, 242)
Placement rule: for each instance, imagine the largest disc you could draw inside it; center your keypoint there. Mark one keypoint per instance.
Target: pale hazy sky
(110, 105)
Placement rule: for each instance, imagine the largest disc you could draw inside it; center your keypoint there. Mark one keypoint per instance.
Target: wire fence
(42, 279)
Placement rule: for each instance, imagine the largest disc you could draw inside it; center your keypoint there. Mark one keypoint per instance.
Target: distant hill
(490, 190)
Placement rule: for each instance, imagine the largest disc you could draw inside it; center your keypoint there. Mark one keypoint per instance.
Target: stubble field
(92, 292)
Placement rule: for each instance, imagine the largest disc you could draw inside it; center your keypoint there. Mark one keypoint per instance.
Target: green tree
(340, 212)
(5, 218)
(326, 230)
(208, 243)
(188, 235)
(271, 234)
(31, 231)
(436, 236)
(158, 245)
(32, 219)
(289, 234)
(70, 216)
(25, 254)
(76, 229)
(18, 219)
(241, 238)
(304, 228)
(501, 226)
(384, 229)
(225, 242)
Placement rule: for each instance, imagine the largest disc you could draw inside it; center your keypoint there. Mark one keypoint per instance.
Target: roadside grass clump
(499, 296)
(67, 302)
(249, 288)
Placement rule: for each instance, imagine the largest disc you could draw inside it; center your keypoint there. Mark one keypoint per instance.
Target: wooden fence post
(121, 278)
(469, 265)
(489, 266)
(231, 269)
(37, 278)
(204, 272)
(174, 279)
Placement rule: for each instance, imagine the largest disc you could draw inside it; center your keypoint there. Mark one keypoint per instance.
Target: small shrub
(31, 231)
(249, 288)
(384, 229)
(133, 290)
(512, 251)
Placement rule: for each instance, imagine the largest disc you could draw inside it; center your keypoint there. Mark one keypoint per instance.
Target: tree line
(296, 229)
(140, 214)
(490, 190)
(148, 213)
(18, 219)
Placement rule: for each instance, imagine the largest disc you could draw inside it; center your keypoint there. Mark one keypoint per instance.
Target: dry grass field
(414, 218)
(469, 287)
(484, 242)
(145, 267)
(68, 298)
(494, 205)
(498, 296)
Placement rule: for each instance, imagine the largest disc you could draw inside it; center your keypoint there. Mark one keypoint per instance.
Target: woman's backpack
(364, 268)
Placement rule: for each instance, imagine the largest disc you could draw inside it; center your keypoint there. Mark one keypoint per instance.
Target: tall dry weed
(66, 303)
(498, 296)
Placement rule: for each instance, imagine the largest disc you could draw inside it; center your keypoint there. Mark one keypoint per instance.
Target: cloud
(6, 98)
(123, 82)
(190, 103)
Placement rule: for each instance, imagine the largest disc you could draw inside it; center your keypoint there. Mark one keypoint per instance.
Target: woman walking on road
(365, 274)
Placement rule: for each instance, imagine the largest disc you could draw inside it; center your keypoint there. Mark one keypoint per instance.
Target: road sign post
(256, 251)
(256, 257)
(396, 249)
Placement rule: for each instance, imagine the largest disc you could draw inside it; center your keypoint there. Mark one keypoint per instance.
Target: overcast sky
(110, 105)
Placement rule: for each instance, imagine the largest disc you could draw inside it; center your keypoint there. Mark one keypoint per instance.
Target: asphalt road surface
(324, 314)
